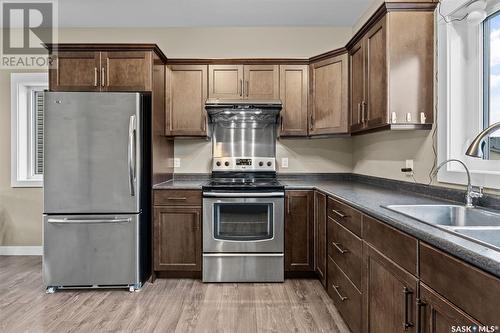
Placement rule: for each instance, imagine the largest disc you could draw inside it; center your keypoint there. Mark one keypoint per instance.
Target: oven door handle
(243, 195)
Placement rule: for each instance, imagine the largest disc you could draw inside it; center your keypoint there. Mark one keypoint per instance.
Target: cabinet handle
(311, 122)
(176, 198)
(340, 249)
(359, 112)
(421, 309)
(241, 88)
(342, 298)
(95, 76)
(362, 112)
(365, 111)
(288, 205)
(247, 88)
(406, 293)
(103, 78)
(339, 214)
(281, 118)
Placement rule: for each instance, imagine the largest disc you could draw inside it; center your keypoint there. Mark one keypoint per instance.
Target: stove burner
(243, 182)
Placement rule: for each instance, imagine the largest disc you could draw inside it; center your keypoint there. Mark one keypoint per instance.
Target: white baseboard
(21, 250)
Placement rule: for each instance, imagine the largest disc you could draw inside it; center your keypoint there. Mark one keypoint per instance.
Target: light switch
(284, 162)
(177, 162)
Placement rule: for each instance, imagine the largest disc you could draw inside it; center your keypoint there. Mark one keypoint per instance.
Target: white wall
(304, 155)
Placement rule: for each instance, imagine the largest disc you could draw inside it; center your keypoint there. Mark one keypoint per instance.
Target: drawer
(345, 215)
(394, 244)
(470, 289)
(345, 296)
(346, 250)
(177, 198)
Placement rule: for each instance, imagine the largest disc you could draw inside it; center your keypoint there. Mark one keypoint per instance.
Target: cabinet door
(357, 73)
(126, 71)
(75, 71)
(186, 96)
(299, 231)
(329, 112)
(177, 239)
(389, 294)
(294, 89)
(225, 81)
(376, 76)
(261, 82)
(436, 314)
(320, 236)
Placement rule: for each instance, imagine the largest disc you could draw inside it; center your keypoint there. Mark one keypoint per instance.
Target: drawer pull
(407, 293)
(175, 198)
(339, 248)
(421, 310)
(336, 288)
(339, 214)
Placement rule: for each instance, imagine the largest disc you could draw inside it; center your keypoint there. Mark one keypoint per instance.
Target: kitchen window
(491, 106)
(468, 87)
(27, 128)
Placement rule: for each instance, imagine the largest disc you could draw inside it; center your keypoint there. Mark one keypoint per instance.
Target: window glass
(492, 83)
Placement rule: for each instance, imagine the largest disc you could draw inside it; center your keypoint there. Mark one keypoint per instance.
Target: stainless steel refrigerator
(96, 223)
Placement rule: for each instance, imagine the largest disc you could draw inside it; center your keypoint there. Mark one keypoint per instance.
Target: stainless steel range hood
(260, 111)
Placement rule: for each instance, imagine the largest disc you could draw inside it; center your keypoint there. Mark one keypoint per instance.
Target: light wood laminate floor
(168, 305)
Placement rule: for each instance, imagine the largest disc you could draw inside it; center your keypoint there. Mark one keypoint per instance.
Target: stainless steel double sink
(476, 224)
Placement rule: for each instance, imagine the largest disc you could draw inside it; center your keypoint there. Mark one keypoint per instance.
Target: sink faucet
(471, 193)
(476, 149)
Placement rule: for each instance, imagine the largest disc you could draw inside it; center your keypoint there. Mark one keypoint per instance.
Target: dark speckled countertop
(370, 196)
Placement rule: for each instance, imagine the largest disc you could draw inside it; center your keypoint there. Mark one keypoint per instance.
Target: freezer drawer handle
(131, 155)
(66, 220)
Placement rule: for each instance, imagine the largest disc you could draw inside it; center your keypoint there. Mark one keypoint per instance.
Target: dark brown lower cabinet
(299, 231)
(389, 294)
(436, 314)
(177, 238)
(320, 247)
(346, 297)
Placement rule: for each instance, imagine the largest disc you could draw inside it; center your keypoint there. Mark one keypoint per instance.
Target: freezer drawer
(94, 250)
(243, 267)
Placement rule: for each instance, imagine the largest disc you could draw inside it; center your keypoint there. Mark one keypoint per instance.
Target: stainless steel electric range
(243, 203)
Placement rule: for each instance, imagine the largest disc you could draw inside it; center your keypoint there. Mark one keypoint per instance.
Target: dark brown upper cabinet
(75, 71)
(126, 71)
(185, 100)
(299, 231)
(243, 81)
(391, 73)
(294, 90)
(102, 67)
(329, 111)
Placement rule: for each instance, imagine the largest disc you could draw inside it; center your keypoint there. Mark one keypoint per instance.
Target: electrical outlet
(284, 162)
(409, 164)
(177, 162)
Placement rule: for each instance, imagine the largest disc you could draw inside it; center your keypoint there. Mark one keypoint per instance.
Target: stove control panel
(244, 164)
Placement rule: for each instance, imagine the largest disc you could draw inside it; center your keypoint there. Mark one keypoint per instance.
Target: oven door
(243, 224)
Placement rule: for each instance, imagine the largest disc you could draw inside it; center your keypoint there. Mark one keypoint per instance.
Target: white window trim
(21, 171)
(460, 90)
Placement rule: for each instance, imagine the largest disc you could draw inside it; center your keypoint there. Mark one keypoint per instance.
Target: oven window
(243, 221)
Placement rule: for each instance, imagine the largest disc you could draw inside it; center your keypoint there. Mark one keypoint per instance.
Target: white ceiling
(209, 13)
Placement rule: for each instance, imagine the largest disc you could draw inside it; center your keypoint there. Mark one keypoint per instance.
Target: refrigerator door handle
(66, 220)
(131, 155)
